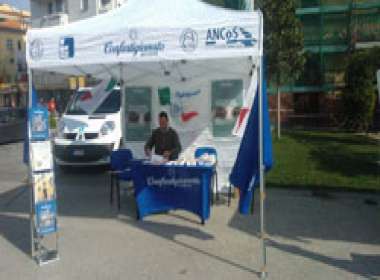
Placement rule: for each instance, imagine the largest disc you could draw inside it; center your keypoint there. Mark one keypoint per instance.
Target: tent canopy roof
(147, 31)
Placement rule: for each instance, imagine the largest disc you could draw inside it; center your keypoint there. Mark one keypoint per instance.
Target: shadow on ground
(16, 230)
(299, 216)
(170, 231)
(367, 266)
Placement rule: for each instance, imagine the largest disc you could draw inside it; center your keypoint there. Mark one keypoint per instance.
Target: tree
(359, 97)
(283, 46)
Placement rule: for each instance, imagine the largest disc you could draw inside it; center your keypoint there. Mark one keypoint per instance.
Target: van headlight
(61, 128)
(107, 128)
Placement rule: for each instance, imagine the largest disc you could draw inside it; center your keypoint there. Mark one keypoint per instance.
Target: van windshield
(110, 105)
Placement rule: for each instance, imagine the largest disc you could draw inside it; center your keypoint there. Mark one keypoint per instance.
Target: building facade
(59, 12)
(46, 13)
(13, 70)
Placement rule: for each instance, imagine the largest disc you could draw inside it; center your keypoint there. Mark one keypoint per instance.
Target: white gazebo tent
(159, 42)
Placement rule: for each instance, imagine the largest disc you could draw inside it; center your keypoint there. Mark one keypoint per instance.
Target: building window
(59, 6)
(105, 2)
(12, 60)
(19, 46)
(83, 5)
(9, 44)
(50, 8)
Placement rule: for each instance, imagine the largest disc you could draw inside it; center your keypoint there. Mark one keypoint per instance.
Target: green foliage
(359, 97)
(283, 41)
(316, 159)
(52, 121)
(311, 73)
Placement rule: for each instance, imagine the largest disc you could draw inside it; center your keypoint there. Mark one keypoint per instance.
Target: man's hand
(166, 154)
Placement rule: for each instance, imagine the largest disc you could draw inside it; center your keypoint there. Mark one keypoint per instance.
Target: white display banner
(41, 156)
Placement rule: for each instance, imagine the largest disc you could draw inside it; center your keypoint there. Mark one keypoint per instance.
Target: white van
(84, 139)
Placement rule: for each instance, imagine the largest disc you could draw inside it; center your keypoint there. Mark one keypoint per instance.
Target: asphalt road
(310, 237)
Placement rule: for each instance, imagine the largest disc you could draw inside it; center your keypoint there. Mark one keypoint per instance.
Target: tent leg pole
(262, 183)
(123, 116)
(261, 157)
(30, 185)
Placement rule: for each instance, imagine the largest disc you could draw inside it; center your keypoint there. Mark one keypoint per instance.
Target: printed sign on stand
(41, 156)
(39, 123)
(46, 217)
(44, 188)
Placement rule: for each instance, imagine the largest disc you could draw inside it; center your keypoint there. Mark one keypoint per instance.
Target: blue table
(160, 188)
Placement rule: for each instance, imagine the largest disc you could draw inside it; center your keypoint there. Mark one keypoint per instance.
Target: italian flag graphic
(91, 100)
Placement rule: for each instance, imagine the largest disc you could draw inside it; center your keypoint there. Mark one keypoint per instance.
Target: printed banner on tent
(138, 113)
(189, 108)
(196, 30)
(248, 97)
(227, 100)
(91, 100)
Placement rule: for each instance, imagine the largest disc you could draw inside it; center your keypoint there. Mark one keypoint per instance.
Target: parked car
(12, 124)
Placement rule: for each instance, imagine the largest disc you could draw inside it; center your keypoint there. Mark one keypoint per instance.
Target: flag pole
(123, 101)
(261, 164)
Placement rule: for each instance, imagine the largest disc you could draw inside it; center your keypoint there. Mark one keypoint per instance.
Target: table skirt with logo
(160, 188)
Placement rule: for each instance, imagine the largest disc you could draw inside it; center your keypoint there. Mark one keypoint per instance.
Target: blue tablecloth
(160, 188)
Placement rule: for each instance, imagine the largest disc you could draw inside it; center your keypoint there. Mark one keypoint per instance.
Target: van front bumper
(89, 154)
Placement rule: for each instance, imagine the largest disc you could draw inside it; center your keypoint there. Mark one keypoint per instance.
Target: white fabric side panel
(197, 132)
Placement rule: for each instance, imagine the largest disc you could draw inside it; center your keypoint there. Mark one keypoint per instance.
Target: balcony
(50, 20)
(106, 8)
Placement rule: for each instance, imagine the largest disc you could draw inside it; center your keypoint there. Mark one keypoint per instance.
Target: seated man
(164, 139)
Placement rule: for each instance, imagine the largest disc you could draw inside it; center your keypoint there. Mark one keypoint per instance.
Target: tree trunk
(278, 112)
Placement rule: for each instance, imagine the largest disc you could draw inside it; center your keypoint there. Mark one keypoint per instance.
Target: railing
(50, 20)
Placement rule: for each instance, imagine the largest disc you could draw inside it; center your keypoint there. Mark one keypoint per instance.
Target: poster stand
(43, 204)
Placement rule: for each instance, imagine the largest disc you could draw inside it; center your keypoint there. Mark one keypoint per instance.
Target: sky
(20, 4)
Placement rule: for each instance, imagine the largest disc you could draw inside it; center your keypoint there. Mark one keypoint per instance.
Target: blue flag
(33, 96)
(245, 173)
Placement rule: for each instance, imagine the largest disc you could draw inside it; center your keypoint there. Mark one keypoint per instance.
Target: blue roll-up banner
(39, 123)
(46, 217)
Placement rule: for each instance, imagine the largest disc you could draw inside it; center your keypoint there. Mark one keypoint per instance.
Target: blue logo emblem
(66, 47)
(232, 36)
(36, 50)
(189, 40)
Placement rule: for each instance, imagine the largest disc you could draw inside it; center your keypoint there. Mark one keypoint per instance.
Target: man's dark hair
(163, 114)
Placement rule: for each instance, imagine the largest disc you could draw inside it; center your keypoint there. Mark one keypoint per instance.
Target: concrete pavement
(310, 237)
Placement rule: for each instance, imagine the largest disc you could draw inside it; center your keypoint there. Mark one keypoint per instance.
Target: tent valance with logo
(147, 30)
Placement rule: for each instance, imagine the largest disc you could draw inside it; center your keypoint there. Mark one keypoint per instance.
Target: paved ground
(335, 237)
